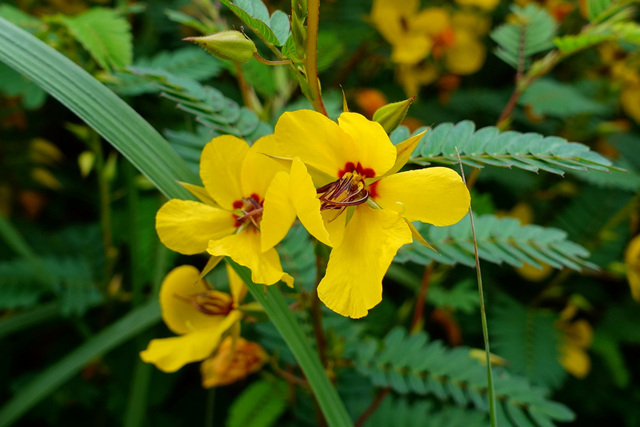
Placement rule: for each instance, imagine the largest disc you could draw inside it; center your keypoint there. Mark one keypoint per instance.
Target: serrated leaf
(104, 34)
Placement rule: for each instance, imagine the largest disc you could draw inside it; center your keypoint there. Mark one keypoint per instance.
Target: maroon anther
(251, 210)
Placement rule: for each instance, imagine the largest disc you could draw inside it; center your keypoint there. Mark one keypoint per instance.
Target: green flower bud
(231, 45)
(391, 115)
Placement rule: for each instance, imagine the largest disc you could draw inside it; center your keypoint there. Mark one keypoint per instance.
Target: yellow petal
(434, 195)
(466, 56)
(220, 169)
(353, 282)
(411, 49)
(186, 226)
(244, 248)
(315, 139)
(279, 212)
(232, 362)
(237, 286)
(388, 15)
(177, 312)
(575, 360)
(258, 170)
(375, 150)
(171, 354)
(431, 21)
(305, 200)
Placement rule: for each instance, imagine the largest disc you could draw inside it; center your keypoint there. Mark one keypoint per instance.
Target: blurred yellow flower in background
(451, 39)
(577, 336)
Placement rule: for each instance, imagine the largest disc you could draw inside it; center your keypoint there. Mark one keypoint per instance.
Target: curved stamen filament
(346, 191)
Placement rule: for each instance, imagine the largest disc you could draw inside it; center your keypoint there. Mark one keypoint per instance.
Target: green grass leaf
(259, 405)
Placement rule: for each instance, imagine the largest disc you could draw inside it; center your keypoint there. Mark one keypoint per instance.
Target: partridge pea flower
(237, 218)
(346, 190)
(196, 312)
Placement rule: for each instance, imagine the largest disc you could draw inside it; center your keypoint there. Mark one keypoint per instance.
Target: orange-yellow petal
(258, 169)
(220, 169)
(177, 311)
(279, 212)
(353, 282)
(315, 139)
(434, 195)
(632, 263)
(374, 149)
(232, 362)
(244, 248)
(186, 226)
(171, 354)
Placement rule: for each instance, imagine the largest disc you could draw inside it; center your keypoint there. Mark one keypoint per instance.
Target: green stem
(311, 61)
(483, 313)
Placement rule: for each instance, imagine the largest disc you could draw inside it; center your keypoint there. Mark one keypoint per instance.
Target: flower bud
(391, 115)
(231, 45)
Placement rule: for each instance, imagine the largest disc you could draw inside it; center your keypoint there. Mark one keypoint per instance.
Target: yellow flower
(450, 38)
(232, 362)
(412, 33)
(196, 312)
(632, 262)
(240, 217)
(346, 191)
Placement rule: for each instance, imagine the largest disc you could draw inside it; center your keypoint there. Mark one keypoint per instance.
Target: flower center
(251, 208)
(349, 190)
(213, 303)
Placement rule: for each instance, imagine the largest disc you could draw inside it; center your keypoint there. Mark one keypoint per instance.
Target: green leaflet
(412, 364)
(550, 97)
(190, 62)
(255, 15)
(488, 146)
(104, 34)
(210, 107)
(499, 240)
(528, 339)
(532, 32)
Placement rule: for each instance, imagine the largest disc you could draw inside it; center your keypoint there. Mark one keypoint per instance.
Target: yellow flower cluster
(430, 41)
(341, 180)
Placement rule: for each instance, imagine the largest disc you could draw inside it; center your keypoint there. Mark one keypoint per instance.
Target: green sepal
(391, 115)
